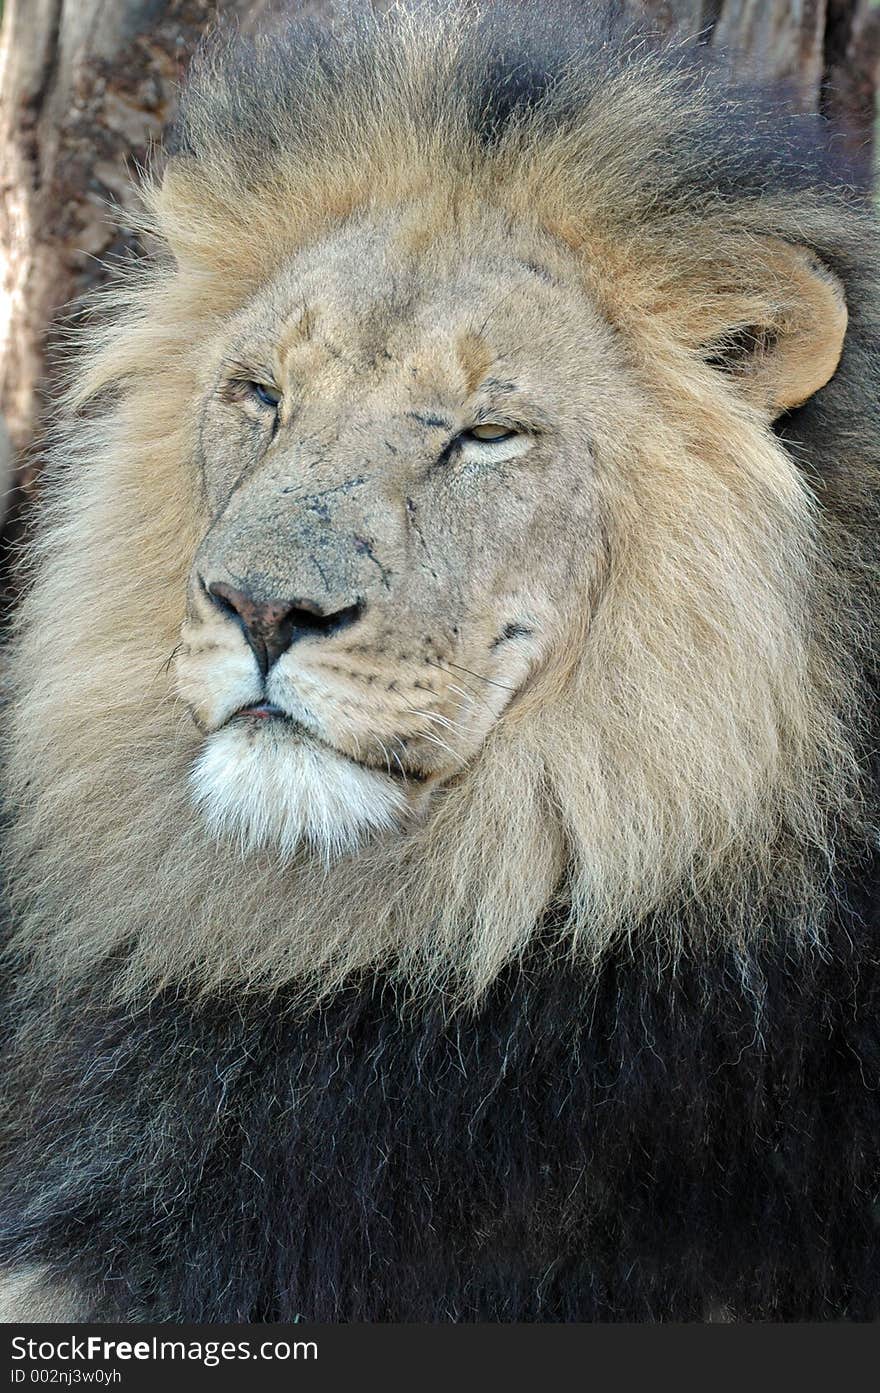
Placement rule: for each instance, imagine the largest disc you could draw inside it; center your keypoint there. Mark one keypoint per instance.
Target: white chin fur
(268, 789)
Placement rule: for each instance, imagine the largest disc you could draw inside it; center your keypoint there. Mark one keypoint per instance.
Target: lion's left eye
(488, 433)
(269, 396)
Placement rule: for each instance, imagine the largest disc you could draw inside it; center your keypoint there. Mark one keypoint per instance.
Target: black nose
(271, 626)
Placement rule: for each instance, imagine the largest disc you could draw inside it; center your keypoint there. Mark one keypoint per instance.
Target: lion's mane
(629, 904)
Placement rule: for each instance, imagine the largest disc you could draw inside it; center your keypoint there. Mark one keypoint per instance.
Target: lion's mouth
(267, 711)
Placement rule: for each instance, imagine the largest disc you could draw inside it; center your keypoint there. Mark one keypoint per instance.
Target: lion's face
(397, 462)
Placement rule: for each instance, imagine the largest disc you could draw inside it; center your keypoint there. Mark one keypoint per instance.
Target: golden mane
(702, 759)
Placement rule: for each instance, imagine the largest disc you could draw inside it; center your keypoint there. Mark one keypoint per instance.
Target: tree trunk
(86, 86)
(826, 53)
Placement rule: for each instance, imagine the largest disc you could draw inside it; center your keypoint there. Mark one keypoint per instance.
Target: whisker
(468, 694)
(441, 744)
(490, 681)
(353, 736)
(472, 696)
(396, 756)
(430, 737)
(163, 670)
(435, 716)
(440, 720)
(386, 754)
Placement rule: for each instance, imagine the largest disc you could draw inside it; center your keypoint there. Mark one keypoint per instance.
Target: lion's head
(417, 444)
(404, 521)
(451, 453)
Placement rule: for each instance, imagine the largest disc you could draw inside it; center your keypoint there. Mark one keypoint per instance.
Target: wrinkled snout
(284, 566)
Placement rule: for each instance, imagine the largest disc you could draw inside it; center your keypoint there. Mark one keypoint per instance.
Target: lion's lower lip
(268, 711)
(263, 711)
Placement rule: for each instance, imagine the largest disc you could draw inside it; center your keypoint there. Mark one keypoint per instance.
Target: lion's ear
(781, 339)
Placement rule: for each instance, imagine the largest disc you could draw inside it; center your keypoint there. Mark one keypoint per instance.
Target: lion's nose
(271, 626)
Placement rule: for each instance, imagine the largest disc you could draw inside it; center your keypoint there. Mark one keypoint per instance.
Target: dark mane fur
(626, 1148)
(543, 64)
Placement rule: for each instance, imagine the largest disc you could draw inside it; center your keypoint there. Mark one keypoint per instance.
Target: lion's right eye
(488, 433)
(268, 396)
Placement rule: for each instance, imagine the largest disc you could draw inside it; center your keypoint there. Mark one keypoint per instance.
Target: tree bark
(87, 86)
(826, 53)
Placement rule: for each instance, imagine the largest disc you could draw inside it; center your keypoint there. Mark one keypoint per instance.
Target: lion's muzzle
(270, 626)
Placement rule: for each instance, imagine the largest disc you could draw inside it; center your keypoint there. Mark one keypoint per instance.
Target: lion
(441, 828)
